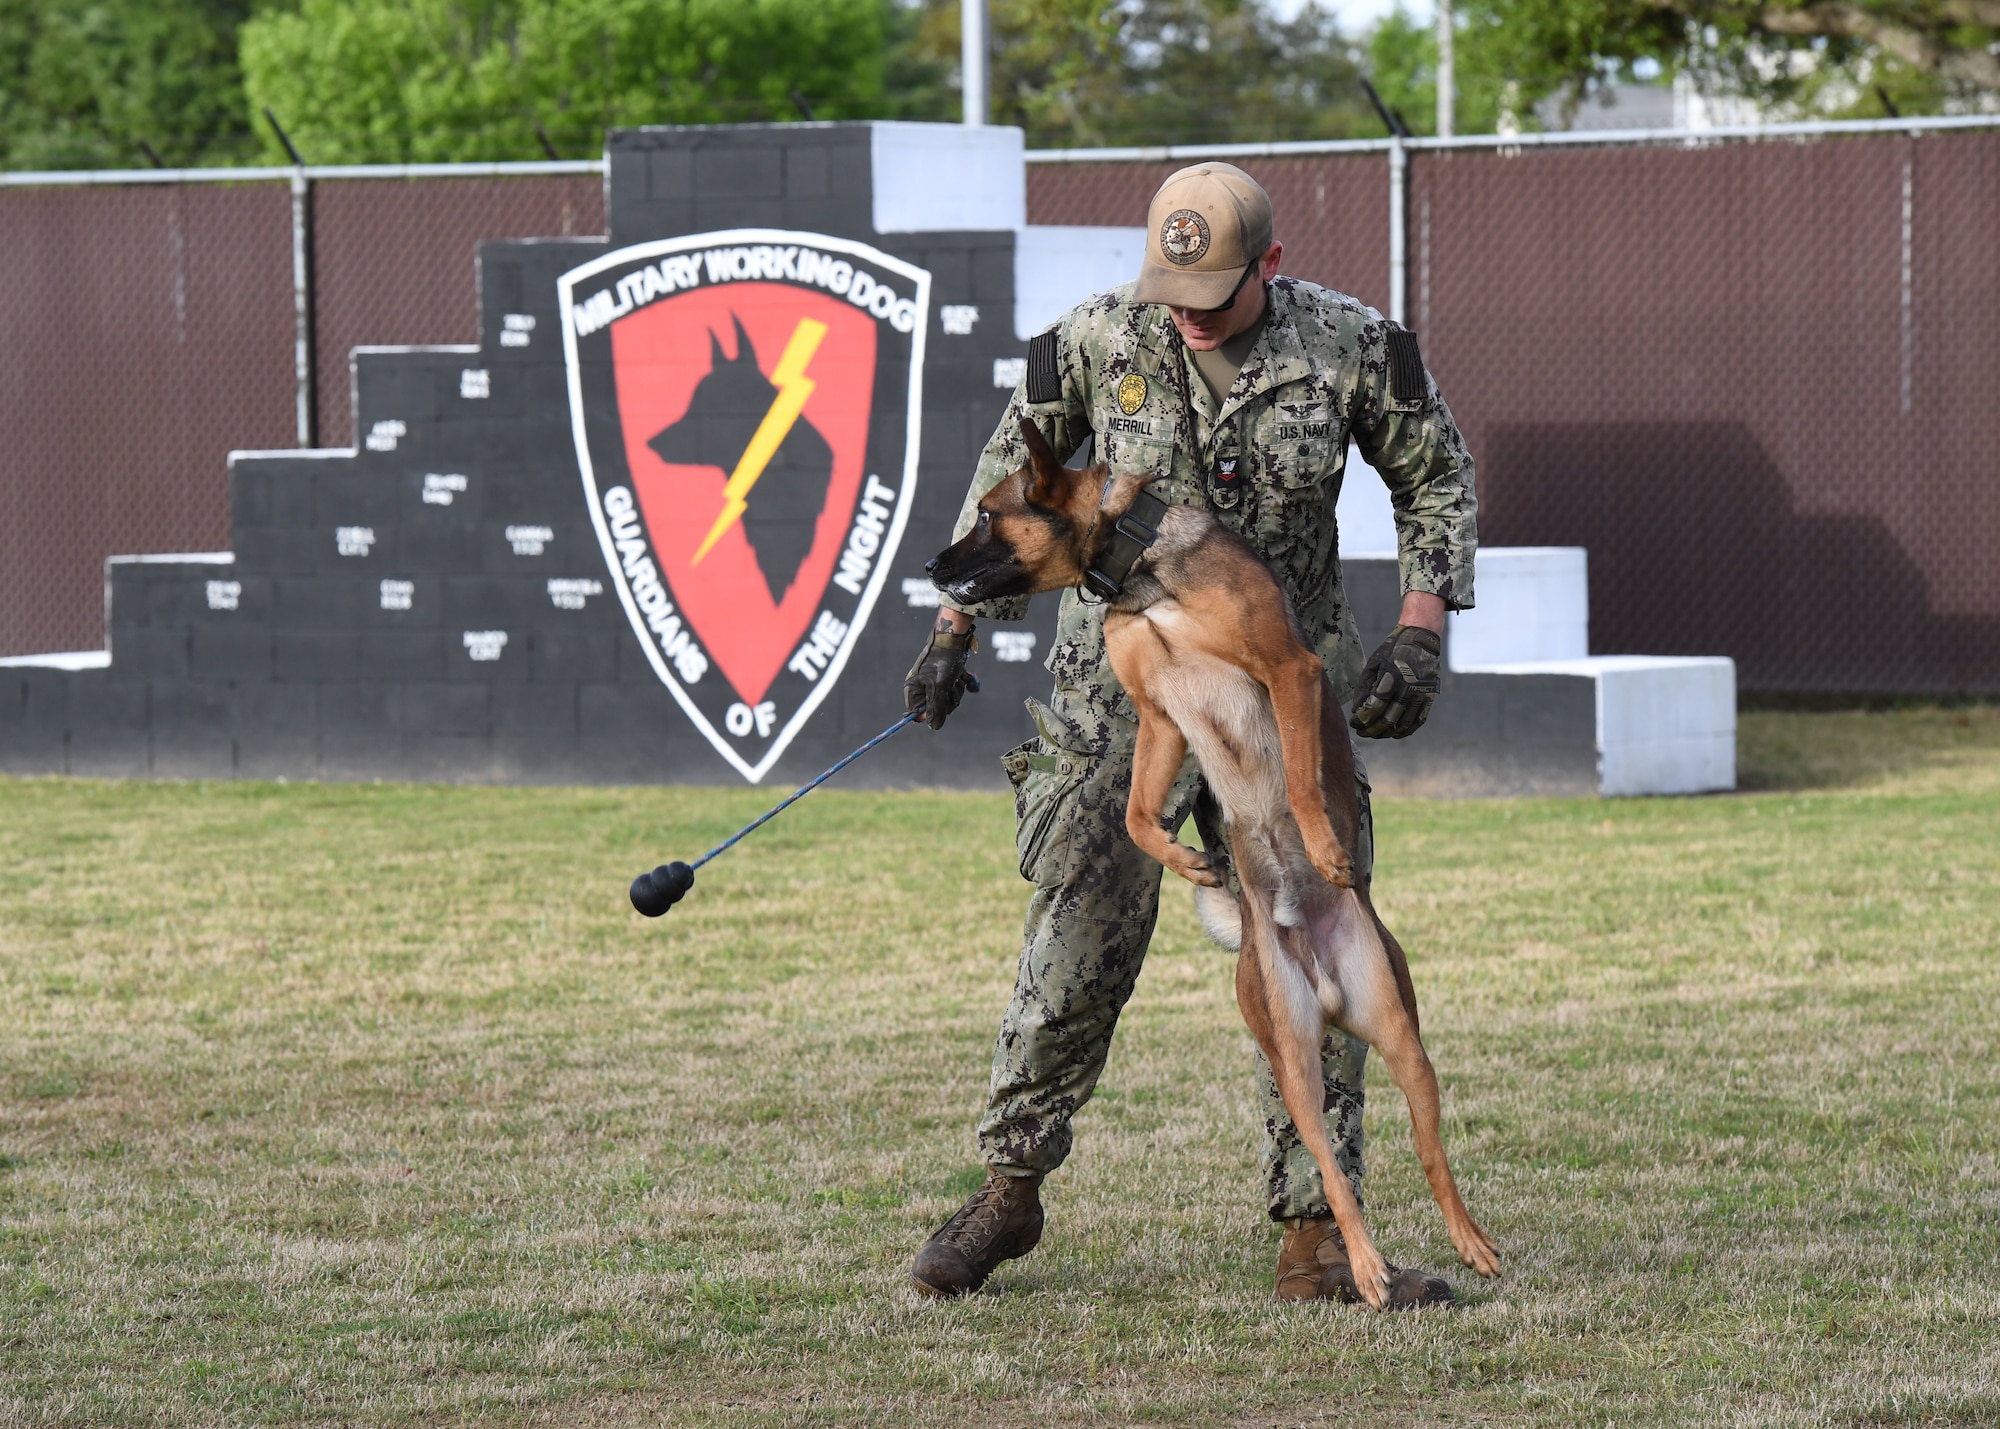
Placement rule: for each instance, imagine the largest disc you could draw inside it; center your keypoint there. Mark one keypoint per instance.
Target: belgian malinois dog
(1205, 642)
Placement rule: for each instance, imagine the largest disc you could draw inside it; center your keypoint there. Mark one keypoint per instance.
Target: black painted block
(152, 653)
(308, 655)
(360, 730)
(438, 548)
(278, 731)
(108, 736)
(330, 602)
(441, 707)
(193, 729)
(534, 731)
(34, 726)
(574, 655)
(231, 652)
(410, 654)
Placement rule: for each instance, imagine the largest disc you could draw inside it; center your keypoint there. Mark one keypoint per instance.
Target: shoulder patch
(1406, 366)
(1044, 381)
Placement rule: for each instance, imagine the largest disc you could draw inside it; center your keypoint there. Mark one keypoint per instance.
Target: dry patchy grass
(377, 1105)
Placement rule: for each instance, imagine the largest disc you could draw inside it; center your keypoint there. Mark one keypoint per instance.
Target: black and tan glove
(1398, 684)
(939, 679)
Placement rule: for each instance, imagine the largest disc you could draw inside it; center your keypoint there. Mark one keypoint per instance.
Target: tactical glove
(939, 679)
(1398, 684)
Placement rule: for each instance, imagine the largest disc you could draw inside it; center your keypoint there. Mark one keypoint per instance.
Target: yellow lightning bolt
(789, 377)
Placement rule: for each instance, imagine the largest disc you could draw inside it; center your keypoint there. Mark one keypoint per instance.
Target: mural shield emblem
(746, 410)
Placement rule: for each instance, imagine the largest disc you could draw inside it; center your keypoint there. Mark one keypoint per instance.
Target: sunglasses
(1229, 302)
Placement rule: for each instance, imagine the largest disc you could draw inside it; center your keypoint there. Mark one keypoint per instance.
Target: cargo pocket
(1046, 777)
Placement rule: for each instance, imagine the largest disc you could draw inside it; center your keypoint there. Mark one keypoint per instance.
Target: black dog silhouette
(782, 509)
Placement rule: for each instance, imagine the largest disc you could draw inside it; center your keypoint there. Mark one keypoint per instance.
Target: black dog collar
(1131, 535)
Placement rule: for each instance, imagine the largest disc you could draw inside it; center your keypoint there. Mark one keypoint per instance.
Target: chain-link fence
(393, 262)
(1755, 375)
(149, 326)
(144, 332)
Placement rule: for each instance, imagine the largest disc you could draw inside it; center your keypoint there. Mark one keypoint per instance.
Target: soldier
(1238, 390)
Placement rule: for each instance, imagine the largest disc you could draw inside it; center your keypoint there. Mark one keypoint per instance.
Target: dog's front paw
(1371, 1275)
(1332, 864)
(1202, 871)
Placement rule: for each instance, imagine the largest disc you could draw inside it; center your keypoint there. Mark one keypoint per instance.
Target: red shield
(664, 357)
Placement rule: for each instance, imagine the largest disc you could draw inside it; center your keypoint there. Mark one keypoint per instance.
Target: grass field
(378, 1105)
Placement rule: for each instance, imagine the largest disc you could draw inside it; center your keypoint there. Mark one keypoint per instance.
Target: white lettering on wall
(1013, 647)
(864, 538)
(485, 644)
(822, 644)
(643, 577)
(439, 487)
(919, 593)
(571, 594)
(740, 719)
(224, 595)
(475, 383)
(398, 595)
(383, 436)
(515, 329)
(958, 319)
(1008, 372)
(789, 263)
(353, 540)
(529, 540)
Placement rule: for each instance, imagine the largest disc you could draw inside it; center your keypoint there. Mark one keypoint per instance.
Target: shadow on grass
(1851, 749)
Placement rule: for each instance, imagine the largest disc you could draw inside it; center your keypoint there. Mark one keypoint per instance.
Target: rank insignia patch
(745, 406)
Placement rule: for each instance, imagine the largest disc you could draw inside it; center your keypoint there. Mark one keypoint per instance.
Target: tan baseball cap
(1207, 224)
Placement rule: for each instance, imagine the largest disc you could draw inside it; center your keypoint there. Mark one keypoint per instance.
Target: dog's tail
(1221, 918)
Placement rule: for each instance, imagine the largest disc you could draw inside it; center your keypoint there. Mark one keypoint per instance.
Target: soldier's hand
(1398, 684)
(939, 679)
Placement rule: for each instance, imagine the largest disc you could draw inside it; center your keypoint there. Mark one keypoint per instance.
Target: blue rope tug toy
(654, 893)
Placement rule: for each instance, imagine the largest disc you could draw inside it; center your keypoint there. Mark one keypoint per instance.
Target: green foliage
(1087, 72)
(88, 83)
(436, 80)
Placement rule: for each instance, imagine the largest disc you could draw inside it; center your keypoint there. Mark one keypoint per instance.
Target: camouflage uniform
(1319, 372)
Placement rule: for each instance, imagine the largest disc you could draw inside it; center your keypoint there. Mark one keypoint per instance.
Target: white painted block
(1366, 519)
(1533, 603)
(1055, 268)
(934, 178)
(1666, 724)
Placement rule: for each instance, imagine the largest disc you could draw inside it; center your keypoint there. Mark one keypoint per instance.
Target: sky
(1357, 15)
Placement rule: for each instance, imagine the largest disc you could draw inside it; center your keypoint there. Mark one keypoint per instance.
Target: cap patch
(1131, 393)
(1184, 237)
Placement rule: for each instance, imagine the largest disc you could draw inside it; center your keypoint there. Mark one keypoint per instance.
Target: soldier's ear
(1045, 473)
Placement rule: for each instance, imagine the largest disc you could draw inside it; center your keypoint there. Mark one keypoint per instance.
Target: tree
(434, 80)
(1833, 58)
(1096, 72)
(95, 83)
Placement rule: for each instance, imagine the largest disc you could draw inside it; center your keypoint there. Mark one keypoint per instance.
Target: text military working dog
(1205, 644)
(1215, 384)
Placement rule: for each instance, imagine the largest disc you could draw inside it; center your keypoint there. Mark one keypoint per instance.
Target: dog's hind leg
(1374, 1008)
(1286, 1020)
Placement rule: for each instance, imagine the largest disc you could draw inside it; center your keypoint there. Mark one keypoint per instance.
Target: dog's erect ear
(1045, 473)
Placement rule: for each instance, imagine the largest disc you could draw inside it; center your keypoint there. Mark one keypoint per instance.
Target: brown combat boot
(1312, 1265)
(1002, 1221)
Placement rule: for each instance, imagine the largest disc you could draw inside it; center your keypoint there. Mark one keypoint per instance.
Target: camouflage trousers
(1095, 903)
